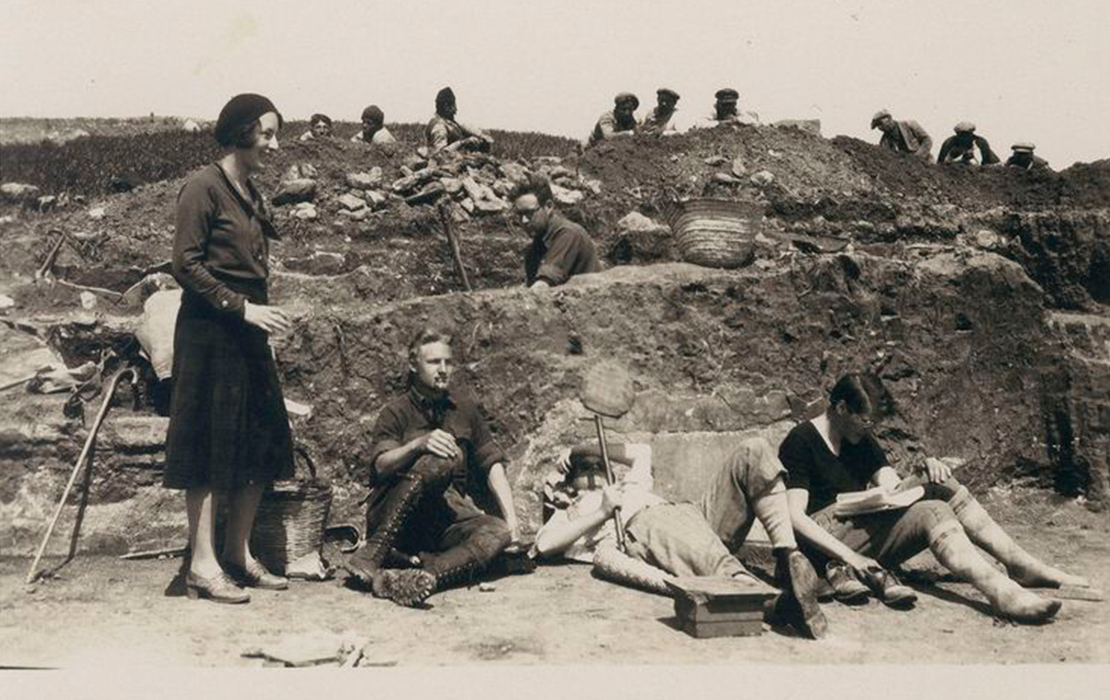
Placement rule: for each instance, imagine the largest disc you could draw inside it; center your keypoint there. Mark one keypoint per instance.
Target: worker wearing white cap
(903, 136)
(961, 147)
(1023, 158)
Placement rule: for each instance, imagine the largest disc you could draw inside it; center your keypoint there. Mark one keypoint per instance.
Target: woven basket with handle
(715, 232)
(291, 518)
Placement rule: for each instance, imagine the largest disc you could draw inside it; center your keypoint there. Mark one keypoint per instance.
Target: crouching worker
(429, 445)
(677, 539)
(836, 453)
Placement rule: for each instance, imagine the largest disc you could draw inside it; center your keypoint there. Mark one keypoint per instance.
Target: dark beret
(727, 95)
(240, 111)
(667, 92)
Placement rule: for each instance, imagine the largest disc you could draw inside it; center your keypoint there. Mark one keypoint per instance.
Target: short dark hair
(534, 184)
(860, 391)
(426, 336)
(318, 117)
(243, 135)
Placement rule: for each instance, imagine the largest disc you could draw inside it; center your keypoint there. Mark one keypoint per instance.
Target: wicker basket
(714, 232)
(291, 518)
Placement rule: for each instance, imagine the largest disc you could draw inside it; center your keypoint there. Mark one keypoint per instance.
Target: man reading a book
(836, 453)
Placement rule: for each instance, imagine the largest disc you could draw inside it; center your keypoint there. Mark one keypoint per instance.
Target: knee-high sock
(954, 550)
(1022, 566)
(773, 511)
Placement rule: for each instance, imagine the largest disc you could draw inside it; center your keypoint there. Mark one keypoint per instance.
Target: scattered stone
(293, 191)
(97, 213)
(486, 587)
(452, 185)
(985, 238)
(355, 215)
(738, 167)
(351, 202)
(724, 178)
(810, 126)
(514, 172)
(592, 185)
(564, 196)
(429, 194)
(560, 172)
(88, 300)
(6, 302)
(18, 193)
(191, 126)
(467, 204)
(375, 199)
(7, 219)
(635, 221)
(306, 211)
(502, 188)
(47, 203)
(415, 163)
(715, 160)
(364, 181)
(762, 178)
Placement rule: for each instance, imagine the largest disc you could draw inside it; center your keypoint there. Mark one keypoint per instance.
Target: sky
(1020, 70)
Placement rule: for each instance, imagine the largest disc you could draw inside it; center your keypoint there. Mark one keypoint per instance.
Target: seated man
(429, 444)
(619, 122)
(1022, 157)
(444, 134)
(661, 121)
(677, 539)
(319, 126)
(726, 111)
(835, 453)
(903, 136)
(373, 128)
(961, 148)
(560, 248)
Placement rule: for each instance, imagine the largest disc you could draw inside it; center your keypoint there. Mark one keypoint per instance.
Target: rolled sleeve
(486, 450)
(795, 456)
(388, 434)
(196, 212)
(438, 137)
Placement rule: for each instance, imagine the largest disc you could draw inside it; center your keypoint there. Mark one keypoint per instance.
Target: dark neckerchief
(259, 211)
(434, 408)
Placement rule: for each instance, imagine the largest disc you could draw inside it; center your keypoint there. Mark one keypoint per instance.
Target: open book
(877, 499)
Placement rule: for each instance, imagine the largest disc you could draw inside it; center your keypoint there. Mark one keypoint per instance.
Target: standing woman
(229, 432)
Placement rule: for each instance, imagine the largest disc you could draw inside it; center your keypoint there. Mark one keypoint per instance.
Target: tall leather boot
(1021, 566)
(453, 567)
(954, 550)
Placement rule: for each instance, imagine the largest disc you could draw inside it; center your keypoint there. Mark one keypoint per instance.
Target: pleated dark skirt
(228, 425)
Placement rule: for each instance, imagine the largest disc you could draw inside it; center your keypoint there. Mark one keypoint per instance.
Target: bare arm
(438, 442)
(503, 493)
(818, 536)
(556, 537)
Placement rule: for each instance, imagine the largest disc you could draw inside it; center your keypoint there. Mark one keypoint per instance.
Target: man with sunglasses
(560, 248)
(836, 453)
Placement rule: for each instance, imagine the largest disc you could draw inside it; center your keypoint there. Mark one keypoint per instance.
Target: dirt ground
(101, 610)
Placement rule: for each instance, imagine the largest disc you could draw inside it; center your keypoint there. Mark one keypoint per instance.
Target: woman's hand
(269, 318)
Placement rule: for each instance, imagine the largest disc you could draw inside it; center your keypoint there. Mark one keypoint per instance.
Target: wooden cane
(108, 394)
(618, 521)
(607, 391)
(453, 241)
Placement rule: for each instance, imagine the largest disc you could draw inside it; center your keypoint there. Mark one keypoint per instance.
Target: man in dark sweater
(560, 248)
(430, 445)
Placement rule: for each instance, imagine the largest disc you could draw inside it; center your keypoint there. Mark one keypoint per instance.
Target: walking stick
(111, 390)
(607, 391)
(453, 240)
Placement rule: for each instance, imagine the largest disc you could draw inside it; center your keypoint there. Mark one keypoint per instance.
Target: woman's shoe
(254, 575)
(218, 589)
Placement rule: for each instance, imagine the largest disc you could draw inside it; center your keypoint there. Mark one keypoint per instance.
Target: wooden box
(711, 606)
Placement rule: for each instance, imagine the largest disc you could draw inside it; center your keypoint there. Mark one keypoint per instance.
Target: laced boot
(408, 587)
(452, 567)
(954, 550)
(1021, 566)
(798, 604)
(384, 522)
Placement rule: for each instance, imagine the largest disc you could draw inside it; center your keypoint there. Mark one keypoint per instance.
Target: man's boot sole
(803, 587)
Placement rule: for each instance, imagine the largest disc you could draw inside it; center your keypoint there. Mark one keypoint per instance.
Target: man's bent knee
(755, 464)
(490, 538)
(432, 469)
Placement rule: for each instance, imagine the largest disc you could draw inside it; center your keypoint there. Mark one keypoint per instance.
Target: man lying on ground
(835, 453)
(726, 110)
(429, 444)
(678, 539)
(619, 122)
(960, 148)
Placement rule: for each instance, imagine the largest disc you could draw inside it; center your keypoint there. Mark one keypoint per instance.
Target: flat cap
(626, 97)
(1023, 146)
(727, 95)
(964, 127)
(667, 92)
(318, 117)
(879, 116)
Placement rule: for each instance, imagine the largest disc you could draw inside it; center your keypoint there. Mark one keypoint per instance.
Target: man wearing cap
(1023, 158)
(443, 133)
(903, 136)
(661, 121)
(726, 111)
(319, 126)
(560, 248)
(373, 128)
(619, 122)
(961, 148)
